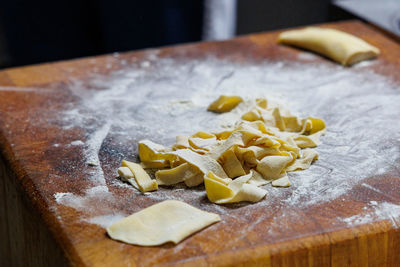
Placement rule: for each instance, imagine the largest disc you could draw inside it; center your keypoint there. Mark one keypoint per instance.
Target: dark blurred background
(47, 30)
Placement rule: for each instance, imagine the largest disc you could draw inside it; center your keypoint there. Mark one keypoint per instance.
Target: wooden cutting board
(65, 126)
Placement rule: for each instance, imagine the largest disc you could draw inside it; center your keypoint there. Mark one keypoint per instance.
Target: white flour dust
(106, 220)
(163, 98)
(93, 196)
(77, 143)
(377, 211)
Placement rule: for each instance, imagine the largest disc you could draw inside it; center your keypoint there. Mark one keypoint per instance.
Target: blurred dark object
(130, 25)
(383, 13)
(261, 15)
(41, 31)
(38, 31)
(46, 30)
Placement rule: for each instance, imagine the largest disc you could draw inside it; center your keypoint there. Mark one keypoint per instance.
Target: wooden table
(48, 213)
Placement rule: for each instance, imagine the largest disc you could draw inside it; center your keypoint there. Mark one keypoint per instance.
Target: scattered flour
(361, 110)
(20, 89)
(145, 64)
(120, 184)
(92, 196)
(380, 211)
(106, 220)
(307, 56)
(77, 143)
(59, 196)
(373, 189)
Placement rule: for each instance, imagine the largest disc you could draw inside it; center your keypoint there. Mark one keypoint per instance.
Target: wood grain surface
(39, 164)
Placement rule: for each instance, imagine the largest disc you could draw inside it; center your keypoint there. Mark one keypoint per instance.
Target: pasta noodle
(265, 145)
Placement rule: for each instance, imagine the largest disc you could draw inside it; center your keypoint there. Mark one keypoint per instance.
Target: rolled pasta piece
(221, 191)
(149, 151)
(172, 176)
(224, 103)
(182, 173)
(143, 180)
(273, 167)
(231, 164)
(202, 162)
(340, 46)
(258, 150)
(309, 156)
(125, 173)
(281, 182)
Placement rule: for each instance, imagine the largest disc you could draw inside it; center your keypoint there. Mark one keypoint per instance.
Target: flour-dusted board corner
(65, 127)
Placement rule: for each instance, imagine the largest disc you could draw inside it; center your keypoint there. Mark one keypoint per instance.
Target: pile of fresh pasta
(261, 148)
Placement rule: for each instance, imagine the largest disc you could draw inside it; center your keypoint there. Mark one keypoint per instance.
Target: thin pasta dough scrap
(167, 221)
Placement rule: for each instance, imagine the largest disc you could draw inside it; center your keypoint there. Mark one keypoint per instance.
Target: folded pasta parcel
(340, 46)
